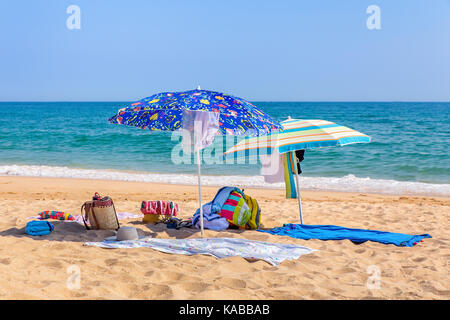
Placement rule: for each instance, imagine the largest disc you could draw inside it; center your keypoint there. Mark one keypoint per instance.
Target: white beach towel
(273, 253)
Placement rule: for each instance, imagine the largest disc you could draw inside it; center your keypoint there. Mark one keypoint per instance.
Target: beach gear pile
(229, 208)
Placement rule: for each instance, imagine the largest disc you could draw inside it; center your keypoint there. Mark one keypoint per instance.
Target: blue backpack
(38, 228)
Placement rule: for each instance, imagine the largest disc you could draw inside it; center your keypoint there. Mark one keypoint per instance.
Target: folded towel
(38, 228)
(329, 232)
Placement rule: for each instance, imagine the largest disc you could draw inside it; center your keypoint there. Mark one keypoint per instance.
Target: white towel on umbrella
(199, 129)
(272, 168)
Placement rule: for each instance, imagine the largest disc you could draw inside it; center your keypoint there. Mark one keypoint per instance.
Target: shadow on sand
(76, 232)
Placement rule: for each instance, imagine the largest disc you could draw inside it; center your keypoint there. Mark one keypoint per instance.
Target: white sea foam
(348, 183)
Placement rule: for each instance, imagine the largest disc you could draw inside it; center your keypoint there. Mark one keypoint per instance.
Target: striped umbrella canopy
(299, 134)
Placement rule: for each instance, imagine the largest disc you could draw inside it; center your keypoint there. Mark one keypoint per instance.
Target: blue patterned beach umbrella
(164, 112)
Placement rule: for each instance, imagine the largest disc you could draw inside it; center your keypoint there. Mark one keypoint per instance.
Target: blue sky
(259, 50)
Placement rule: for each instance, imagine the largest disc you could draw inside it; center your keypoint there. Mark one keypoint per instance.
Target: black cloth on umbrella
(300, 154)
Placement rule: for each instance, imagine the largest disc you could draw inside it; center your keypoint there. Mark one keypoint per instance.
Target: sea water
(409, 152)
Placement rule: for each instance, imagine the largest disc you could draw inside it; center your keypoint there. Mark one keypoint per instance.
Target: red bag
(167, 208)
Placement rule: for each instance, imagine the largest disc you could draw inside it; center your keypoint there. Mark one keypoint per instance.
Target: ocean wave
(348, 183)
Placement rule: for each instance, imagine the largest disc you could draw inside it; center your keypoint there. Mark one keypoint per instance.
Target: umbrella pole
(200, 192)
(298, 187)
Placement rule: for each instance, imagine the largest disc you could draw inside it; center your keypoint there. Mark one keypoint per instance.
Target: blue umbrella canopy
(164, 112)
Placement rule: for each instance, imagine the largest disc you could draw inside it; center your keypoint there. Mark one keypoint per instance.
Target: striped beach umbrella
(299, 134)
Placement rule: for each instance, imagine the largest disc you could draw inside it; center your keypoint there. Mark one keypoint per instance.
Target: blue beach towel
(329, 232)
(39, 228)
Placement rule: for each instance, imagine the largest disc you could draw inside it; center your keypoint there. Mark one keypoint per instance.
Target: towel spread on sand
(79, 218)
(329, 232)
(273, 253)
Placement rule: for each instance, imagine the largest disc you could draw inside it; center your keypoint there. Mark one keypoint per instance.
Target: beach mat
(330, 232)
(273, 253)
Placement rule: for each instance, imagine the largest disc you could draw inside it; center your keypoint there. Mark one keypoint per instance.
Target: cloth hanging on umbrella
(199, 129)
(278, 167)
(272, 168)
(300, 154)
(289, 176)
(289, 172)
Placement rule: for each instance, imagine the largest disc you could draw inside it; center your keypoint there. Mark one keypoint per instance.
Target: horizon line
(256, 101)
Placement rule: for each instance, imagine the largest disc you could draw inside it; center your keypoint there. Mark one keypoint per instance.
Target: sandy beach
(37, 267)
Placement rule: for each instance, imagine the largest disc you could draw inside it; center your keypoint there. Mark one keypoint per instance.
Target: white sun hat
(125, 233)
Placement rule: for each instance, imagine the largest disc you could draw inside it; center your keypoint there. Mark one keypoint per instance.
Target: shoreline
(348, 183)
(55, 182)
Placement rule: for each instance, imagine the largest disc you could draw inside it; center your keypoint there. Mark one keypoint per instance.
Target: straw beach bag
(101, 214)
